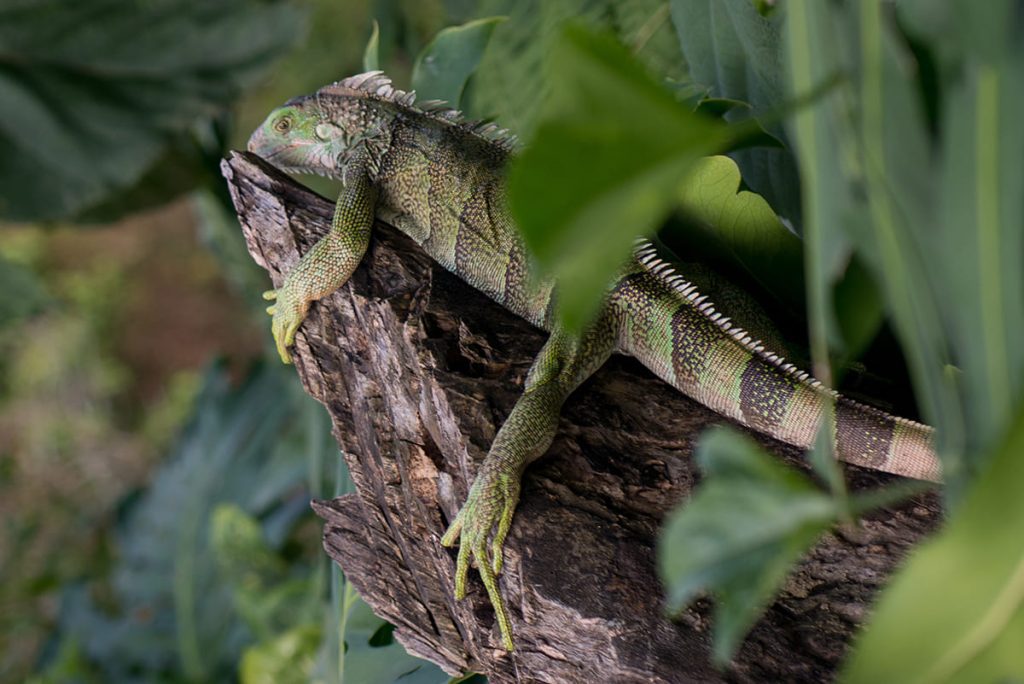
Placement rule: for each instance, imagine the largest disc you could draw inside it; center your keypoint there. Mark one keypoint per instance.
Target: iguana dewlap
(441, 181)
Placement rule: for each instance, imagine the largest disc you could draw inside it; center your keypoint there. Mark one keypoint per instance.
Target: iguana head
(313, 134)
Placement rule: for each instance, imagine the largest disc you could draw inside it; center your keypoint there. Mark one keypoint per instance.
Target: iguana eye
(283, 124)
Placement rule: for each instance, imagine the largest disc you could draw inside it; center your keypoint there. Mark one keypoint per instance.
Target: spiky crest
(375, 85)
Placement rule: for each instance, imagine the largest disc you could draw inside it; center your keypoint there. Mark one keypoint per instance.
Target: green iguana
(440, 180)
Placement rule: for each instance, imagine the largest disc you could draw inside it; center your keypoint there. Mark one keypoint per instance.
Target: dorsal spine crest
(375, 85)
(646, 253)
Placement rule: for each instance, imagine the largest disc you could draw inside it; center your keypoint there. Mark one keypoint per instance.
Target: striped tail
(676, 332)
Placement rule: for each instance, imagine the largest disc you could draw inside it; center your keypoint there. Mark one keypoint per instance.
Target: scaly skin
(441, 181)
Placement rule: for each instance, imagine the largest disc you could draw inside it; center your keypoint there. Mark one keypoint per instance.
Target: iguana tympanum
(441, 181)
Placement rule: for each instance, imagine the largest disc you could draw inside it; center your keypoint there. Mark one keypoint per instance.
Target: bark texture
(418, 370)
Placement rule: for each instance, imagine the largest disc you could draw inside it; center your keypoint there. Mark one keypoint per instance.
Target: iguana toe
(488, 510)
(288, 313)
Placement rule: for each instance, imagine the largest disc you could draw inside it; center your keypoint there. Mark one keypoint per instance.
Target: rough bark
(418, 370)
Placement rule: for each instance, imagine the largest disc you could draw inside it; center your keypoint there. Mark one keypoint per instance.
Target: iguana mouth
(277, 155)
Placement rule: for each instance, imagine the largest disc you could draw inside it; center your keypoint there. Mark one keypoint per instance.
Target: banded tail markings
(636, 294)
(804, 415)
(692, 339)
(912, 453)
(863, 437)
(737, 377)
(765, 395)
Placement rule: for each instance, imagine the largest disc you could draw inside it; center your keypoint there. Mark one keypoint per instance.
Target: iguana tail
(676, 333)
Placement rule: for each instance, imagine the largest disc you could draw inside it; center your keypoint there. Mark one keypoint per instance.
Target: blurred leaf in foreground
(289, 658)
(740, 534)
(91, 93)
(955, 613)
(603, 167)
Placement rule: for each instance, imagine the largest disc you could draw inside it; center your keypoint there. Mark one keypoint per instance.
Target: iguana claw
(289, 311)
(488, 509)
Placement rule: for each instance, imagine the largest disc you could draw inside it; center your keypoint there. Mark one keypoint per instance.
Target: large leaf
(740, 534)
(737, 53)
(955, 613)
(744, 223)
(445, 65)
(603, 167)
(92, 92)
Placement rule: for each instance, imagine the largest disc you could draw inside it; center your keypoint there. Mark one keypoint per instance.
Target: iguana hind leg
(328, 265)
(480, 527)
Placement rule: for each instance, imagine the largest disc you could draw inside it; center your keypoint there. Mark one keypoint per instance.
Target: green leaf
(858, 311)
(512, 81)
(746, 225)
(721, 106)
(91, 93)
(371, 55)
(868, 184)
(739, 535)
(827, 194)
(603, 167)
(736, 52)
(955, 613)
(980, 237)
(236, 539)
(445, 65)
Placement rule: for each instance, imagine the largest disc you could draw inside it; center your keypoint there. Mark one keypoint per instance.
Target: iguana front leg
(329, 264)
(484, 521)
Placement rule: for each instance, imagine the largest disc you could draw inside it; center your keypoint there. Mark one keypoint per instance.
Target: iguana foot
(289, 311)
(488, 511)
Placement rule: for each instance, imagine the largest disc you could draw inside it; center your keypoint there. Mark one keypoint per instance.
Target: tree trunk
(418, 371)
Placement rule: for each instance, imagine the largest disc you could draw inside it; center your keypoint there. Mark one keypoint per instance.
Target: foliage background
(155, 470)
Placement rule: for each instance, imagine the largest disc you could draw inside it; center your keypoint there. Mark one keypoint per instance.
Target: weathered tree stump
(418, 370)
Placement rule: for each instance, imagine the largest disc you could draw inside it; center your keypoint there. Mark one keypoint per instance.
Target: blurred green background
(155, 468)
(156, 462)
